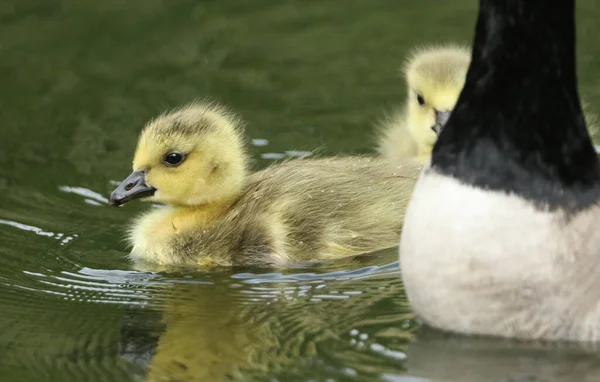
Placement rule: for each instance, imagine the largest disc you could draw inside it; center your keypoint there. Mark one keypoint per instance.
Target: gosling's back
(306, 210)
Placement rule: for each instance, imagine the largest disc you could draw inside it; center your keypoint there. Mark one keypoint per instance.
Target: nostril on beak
(130, 186)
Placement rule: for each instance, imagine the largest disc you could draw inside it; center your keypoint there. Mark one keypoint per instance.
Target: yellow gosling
(217, 212)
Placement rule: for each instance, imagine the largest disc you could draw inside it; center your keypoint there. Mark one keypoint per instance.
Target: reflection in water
(210, 335)
(439, 357)
(342, 320)
(275, 324)
(311, 325)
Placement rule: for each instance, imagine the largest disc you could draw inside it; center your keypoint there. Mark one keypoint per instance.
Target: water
(78, 81)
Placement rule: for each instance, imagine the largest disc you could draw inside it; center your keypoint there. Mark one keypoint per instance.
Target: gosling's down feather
(218, 214)
(434, 76)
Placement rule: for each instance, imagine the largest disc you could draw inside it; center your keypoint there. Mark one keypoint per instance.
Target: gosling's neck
(518, 126)
(223, 193)
(180, 217)
(184, 216)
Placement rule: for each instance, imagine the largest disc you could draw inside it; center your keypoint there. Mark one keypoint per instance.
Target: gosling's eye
(420, 99)
(173, 159)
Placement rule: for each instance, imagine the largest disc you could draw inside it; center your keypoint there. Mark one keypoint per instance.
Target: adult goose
(502, 233)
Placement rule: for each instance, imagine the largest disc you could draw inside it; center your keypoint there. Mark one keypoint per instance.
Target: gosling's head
(191, 156)
(435, 76)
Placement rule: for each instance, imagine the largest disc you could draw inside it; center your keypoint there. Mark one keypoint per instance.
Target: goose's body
(434, 76)
(508, 269)
(218, 214)
(502, 234)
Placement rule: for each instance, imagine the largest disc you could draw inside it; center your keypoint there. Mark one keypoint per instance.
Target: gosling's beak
(133, 187)
(441, 118)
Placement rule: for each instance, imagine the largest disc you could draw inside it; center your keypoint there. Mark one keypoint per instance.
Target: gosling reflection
(247, 328)
(210, 335)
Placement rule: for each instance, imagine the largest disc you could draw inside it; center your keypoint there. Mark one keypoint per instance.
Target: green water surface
(78, 79)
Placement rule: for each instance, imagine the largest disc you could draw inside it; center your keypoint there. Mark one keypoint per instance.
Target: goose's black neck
(518, 125)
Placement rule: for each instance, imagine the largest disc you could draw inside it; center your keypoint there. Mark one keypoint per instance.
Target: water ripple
(63, 238)
(25, 227)
(93, 197)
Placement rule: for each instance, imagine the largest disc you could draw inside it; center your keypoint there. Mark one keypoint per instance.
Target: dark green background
(78, 79)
